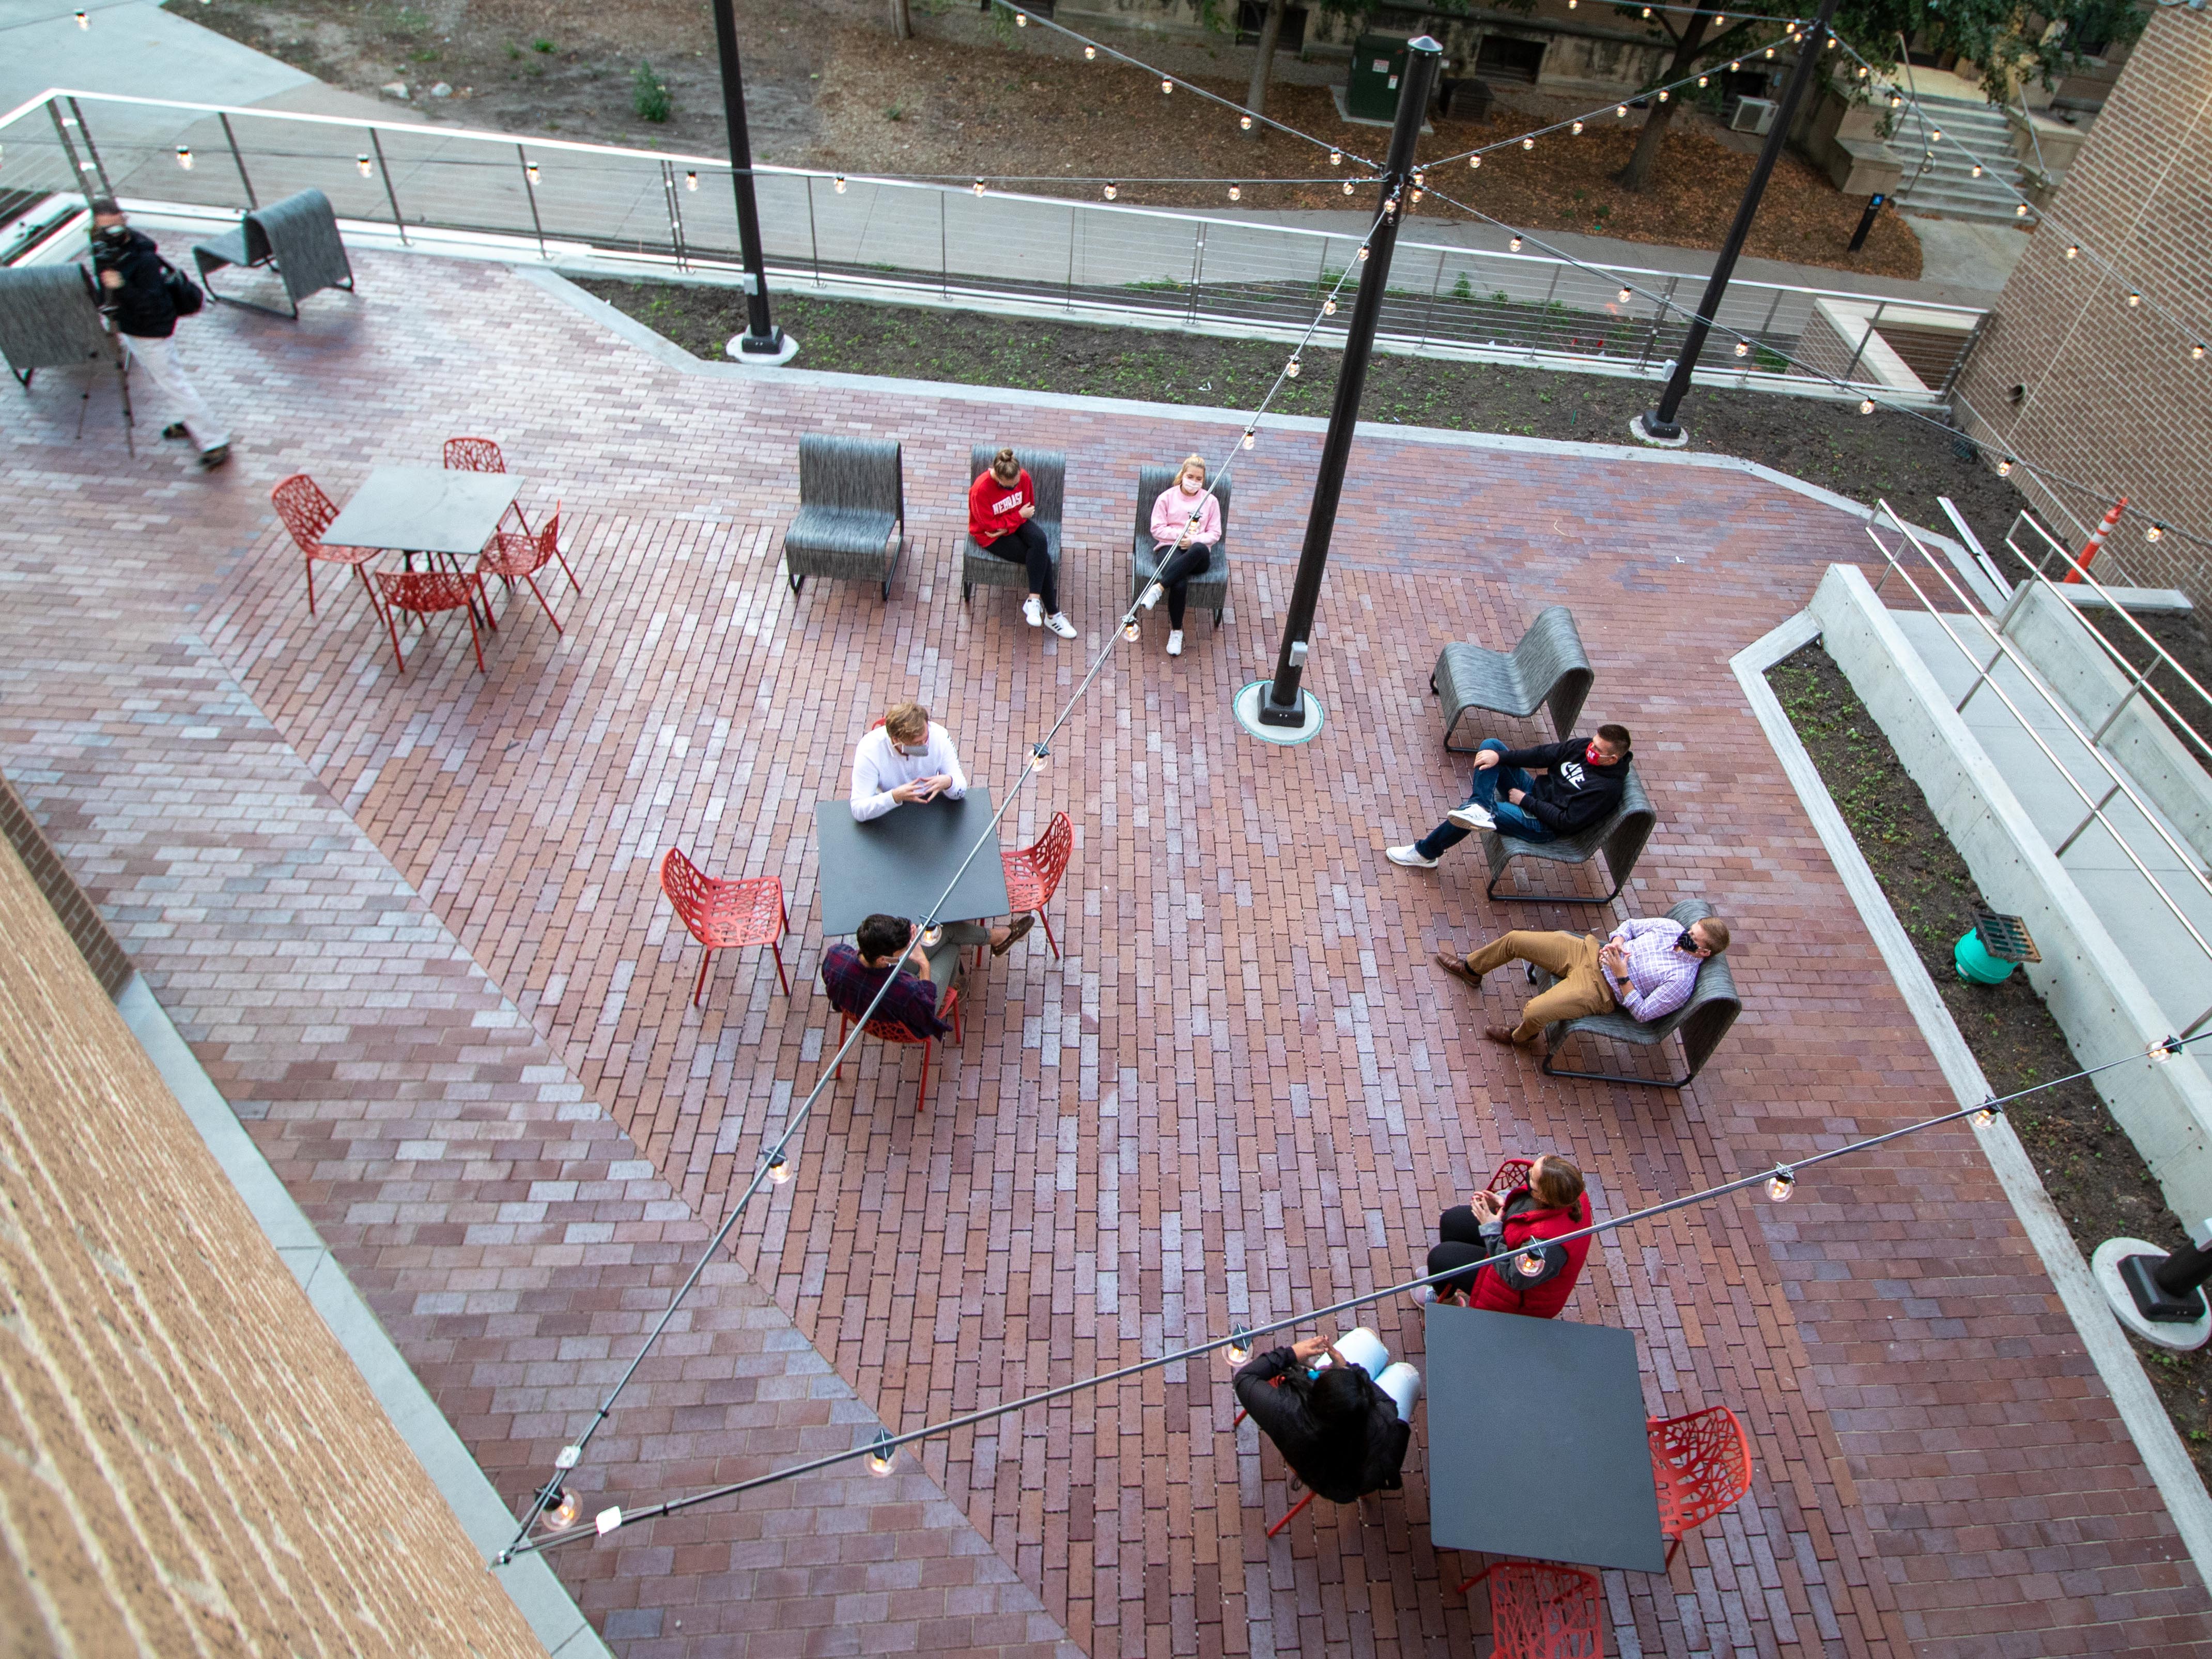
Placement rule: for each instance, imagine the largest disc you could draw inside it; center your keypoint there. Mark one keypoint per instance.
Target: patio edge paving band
(2118, 1365)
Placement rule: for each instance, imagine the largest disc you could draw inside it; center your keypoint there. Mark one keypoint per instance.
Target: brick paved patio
(411, 928)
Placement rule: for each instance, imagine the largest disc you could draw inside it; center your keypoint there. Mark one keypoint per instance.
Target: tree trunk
(1637, 175)
(1263, 63)
(902, 21)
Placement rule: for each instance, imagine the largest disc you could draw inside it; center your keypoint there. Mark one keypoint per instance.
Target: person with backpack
(143, 297)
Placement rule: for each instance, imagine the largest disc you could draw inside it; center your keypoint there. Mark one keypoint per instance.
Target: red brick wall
(2114, 400)
(189, 1462)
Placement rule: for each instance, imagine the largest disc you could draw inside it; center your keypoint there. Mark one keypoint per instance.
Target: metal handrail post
(1074, 219)
(531, 191)
(391, 194)
(813, 235)
(1863, 338)
(1197, 271)
(62, 125)
(2096, 815)
(99, 169)
(238, 162)
(1429, 314)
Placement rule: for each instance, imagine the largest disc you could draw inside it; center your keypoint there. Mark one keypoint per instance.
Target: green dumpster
(1378, 64)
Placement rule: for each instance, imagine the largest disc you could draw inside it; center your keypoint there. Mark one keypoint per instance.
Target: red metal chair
(308, 513)
(1541, 1610)
(480, 455)
(1512, 1173)
(891, 1031)
(422, 593)
(520, 558)
(1702, 1464)
(1033, 874)
(725, 915)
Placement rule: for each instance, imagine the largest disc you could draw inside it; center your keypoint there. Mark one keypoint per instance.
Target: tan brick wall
(79, 918)
(189, 1462)
(2114, 401)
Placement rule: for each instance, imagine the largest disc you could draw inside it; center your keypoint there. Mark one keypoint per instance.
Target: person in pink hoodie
(1186, 525)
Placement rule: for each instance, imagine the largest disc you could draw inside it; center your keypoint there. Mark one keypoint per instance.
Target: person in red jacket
(1492, 1238)
(1000, 504)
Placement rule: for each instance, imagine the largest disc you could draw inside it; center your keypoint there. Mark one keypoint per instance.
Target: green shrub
(648, 94)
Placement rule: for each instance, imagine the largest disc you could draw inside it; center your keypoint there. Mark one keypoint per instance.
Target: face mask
(114, 233)
(911, 752)
(1687, 942)
(1591, 754)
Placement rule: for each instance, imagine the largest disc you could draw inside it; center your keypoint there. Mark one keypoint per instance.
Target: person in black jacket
(1541, 793)
(134, 291)
(1338, 1411)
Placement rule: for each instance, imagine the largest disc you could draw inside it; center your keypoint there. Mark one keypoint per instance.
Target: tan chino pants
(1572, 957)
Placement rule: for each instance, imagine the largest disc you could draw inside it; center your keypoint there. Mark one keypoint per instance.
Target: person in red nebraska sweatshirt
(1001, 503)
(1491, 1236)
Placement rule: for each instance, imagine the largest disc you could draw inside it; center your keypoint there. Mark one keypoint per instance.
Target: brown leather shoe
(1455, 964)
(1503, 1034)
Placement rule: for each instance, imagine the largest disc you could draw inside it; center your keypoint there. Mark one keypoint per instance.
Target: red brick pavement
(1242, 1091)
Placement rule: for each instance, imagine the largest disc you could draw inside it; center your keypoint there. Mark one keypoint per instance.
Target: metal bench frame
(1547, 666)
(851, 511)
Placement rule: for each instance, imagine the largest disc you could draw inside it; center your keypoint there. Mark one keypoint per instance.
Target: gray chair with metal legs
(297, 237)
(1620, 837)
(1703, 1021)
(1209, 591)
(1048, 470)
(1547, 667)
(851, 511)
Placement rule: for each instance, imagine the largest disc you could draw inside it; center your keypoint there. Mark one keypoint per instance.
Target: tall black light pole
(1659, 424)
(762, 336)
(1282, 704)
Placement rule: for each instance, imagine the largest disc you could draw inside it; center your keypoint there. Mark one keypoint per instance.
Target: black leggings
(1461, 1245)
(1027, 545)
(1175, 571)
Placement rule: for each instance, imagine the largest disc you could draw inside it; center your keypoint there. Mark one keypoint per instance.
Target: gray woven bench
(1048, 470)
(1620, 837)
(49, 320)
(1703, 1021)
(297, 237)
(1209, 591)
(1547, 667)
(851, 511)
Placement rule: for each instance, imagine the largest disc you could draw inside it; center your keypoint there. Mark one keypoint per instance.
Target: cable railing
(674, 214)
(2114, 782)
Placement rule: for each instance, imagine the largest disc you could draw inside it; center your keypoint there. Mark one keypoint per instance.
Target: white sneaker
(1060, 624)
(1470, 816)
(1410, 856)
(1174, 643)
(1152, 596)
(1033, 612)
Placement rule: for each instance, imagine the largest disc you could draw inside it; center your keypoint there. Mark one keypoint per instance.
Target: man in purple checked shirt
(1646, 969)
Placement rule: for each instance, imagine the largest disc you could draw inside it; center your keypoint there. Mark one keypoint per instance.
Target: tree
(902, 21)
(1263, 61)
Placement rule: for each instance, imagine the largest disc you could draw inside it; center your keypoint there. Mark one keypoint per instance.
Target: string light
(2073, 250)
(1361, 253)
(1866, 405)
(1021, 20)
(1131, 632)
(1986, 1117)
(1736, 65)
(1701, 79)
(2156, 532)
(361, 162)
(1514, 245)
(184, 157)
(1251, 437)
(1781, 1184)
(2021, 212)
(779, 1168)
(1417, 196)
(882, 1454)
(1112, 190)
(2164, 1048)
(841, 184)
(560, 1510)
(1935, 136)
(2197, 352)
(1473, 162)
(1166, 86)
(1420, 179)
(1770, 52)
(1245, 122)
(1347, 187)
(2005, 467)
(1240, 1346)
(1742, 348)
(1578, 129)
(1662, 94)
(1896, 100)
(1040, 756)
(1336, 158)
(1530, 1264)
(979, 186)
(1236, 193)
(1976, 172)
(83, 21)
(1090, 54)
(1291, 369)
(1863, 72)
(690, 181)
(1528, 143)
(1624, 296)
(1620, 110)
(2134, 299)
(531, 170)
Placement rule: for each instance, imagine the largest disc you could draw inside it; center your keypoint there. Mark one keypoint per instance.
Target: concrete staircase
(1948, 190)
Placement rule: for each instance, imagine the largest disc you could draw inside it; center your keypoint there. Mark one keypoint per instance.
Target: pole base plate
(740, 351)
(1642, 428)
(2104, 1267)
(1248, 704)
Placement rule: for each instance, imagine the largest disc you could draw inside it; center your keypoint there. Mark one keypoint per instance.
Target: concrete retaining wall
(2095, 993)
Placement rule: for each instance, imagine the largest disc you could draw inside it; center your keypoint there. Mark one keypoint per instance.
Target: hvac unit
(1750, 115)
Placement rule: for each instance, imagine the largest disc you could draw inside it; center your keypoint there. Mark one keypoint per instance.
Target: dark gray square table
(1498, 1385)
(424, 509)
(899, 863)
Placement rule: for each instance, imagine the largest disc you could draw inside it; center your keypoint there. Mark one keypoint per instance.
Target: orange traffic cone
(2088, 553)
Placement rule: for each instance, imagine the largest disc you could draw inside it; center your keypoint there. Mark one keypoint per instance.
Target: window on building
(1501, 57)
(1250, 14)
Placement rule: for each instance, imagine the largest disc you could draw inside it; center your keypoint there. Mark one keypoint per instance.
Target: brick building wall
(79, 919)
(189, 1462)
(2112, 400)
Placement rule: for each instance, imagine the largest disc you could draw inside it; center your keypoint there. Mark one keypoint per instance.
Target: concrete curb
(544, 1601)
(2117, 1367)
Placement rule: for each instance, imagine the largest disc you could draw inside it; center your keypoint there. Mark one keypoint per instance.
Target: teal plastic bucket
(1976, 964)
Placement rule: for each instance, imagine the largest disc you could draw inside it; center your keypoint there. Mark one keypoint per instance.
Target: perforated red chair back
(1540, 1611)
(725, 915)
(1701, 1462)
(473, 455)
(1512, 1173)
(688, 890)
(306, 511)
(891, 1031)
(1048, 858)
(514, 554)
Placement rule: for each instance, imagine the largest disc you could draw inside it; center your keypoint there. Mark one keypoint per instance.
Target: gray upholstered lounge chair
(297, 237)
(1048, 470)
(1210, 591)
(49, 320)
(1546, 667)
(1703, 1020)
(1620, 837)
(851, 511)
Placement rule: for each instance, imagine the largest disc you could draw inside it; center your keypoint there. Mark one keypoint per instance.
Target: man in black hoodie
(1541, 793)
(134, 291)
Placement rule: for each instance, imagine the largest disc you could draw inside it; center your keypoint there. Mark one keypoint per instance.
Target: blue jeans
(1490, 782)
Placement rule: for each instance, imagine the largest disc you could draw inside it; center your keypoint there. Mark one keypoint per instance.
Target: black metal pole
(1284, 705)
(1660, 422)
(761, 335)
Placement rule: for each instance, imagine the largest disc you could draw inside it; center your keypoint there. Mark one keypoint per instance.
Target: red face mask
(1591, 755)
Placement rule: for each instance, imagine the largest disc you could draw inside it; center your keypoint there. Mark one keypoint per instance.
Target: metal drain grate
(2005, 938)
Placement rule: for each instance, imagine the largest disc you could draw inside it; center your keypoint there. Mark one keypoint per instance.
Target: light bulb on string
(2005, 467)
(1236, 193)
(1576, 128)
(2197, 352)
(1781, 1184)
(361, 162)
(1620, 111)
(1420, 179)
(882, 1454)
(1112, 190)
(1976, 170)
(83, 21)
(1040, 756)
(1863, 72)
(1935, 136)
(779, 1168)
(1166, 86)
(690, 181)
(1347, 187)
(2073, 250)
(1987, 1114)
(560, 1509)
(1360, 253)
(1021, 20)
(1473, 162)
(1328, 307)
(1530, 1264)
(2021, 212)
(1131, 632)
(1514, 245)
(1291, 368)
(2156, 533)
(2164, 1049)
(1624, 296)
(1743, 347)
(1090, 54)
(979, 186)
(1647, 11)
(1528, 143)
(1336, 158)
(1703, 79)
(531, 169)
(1662, 94)
(1770, 52)
(841, 184)
(1251, 437)
(2134, 299)
(184, 157)
(1831, 39)
(1720, 20)
(1570, 4)
(1417, 197)
(1866, 405)
(1736, 65)
(1240, 1346)
(1245, 122)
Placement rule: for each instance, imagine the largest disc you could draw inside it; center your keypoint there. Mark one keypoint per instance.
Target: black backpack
(184, 295)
